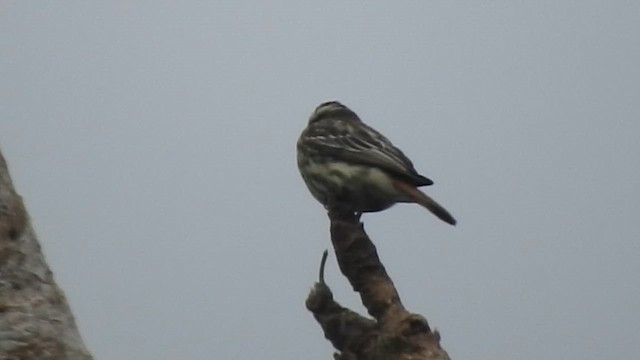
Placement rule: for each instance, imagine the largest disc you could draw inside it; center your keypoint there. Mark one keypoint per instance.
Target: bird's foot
(343, 212)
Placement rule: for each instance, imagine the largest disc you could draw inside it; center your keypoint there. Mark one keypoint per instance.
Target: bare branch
(35, 320)
(325, 255)
(394, 333)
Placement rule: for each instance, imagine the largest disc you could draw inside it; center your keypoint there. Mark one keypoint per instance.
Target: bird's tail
(426, 201)
(435, 208)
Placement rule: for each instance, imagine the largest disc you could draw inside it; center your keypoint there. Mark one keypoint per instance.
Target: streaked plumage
(346, 163)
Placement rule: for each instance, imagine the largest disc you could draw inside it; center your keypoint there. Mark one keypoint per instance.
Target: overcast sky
(154, 145)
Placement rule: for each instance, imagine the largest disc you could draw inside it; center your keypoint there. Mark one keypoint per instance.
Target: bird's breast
(366, 188)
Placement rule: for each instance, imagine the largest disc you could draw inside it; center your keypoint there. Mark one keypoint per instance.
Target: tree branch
(394, 332)
(35, 320)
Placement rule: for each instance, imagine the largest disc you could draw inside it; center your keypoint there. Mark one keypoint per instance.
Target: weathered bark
(35, 320)
(393, 333)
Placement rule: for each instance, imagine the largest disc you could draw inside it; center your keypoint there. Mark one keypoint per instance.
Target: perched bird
(347, 164)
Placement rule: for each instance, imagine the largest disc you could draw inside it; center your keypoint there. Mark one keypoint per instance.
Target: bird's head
(334, 110)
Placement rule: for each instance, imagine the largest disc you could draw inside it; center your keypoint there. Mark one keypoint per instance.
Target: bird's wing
(362, 144)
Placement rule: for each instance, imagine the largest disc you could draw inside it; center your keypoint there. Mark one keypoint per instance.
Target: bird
(346, 164)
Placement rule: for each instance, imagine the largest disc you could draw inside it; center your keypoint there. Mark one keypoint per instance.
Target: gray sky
(154, 145)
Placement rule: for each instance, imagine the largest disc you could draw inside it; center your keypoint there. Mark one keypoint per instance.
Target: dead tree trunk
(35, 320)
(393, 333)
